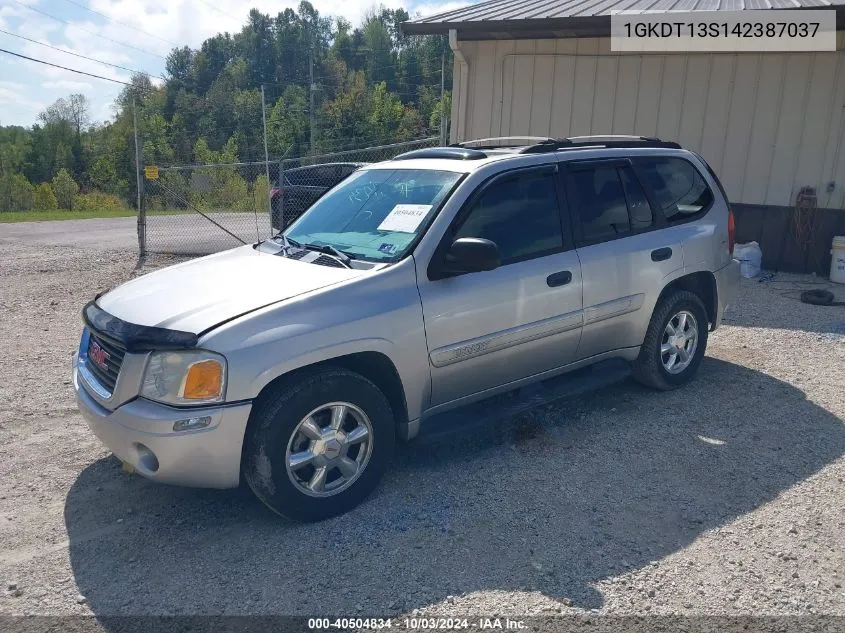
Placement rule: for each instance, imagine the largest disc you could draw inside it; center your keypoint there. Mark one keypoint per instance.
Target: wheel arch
(701, 283)
(374, 366)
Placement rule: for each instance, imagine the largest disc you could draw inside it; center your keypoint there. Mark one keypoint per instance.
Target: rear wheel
(674, 343)
(316, 447)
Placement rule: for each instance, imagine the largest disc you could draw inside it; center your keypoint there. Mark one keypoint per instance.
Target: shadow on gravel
(552, 501)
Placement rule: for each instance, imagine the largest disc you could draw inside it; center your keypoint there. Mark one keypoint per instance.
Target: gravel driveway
(725, 497)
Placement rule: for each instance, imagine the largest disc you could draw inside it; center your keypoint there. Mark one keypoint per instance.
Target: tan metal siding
(768, 123)
(764, 125)
(790, 123)
(834, 159)
(562, 96)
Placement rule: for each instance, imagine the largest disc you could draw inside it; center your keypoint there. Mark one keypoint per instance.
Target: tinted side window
(520, 215)
(678, 186)
(642, 216)
(601, 204)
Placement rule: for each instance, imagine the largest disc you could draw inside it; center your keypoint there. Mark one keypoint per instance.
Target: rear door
(488, 329)
(625, 248)
(686, 201)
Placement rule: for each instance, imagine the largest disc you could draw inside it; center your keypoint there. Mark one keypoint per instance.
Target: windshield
(374, 214)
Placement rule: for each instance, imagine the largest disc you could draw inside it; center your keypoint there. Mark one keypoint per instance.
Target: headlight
(188, 377)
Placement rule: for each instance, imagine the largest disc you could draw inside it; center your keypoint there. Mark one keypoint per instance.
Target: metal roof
(506, 19)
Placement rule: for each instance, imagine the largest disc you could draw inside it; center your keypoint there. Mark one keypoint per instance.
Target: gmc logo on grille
(99, 355)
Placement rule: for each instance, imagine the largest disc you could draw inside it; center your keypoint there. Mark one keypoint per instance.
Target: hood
(199, 294)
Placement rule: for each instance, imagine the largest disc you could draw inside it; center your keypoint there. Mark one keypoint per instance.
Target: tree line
(370, 85)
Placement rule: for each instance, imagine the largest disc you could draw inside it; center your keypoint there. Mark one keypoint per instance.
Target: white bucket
(837, 261)
(750, 259)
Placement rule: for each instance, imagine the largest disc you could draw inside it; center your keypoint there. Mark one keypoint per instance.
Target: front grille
(108, 375)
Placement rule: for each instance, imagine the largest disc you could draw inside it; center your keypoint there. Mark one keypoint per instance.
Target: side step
(506, 405)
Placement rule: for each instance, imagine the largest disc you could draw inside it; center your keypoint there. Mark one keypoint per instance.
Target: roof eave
(542, 28)
(587, 26)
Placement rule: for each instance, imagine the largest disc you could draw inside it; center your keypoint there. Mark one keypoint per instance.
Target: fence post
(282, 194)
(266, 161)
(139, 183)
(443, 94)
(311, 89)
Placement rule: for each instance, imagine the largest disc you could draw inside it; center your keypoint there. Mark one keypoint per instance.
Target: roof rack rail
(452, 152)
(497, 142)
(580, 142)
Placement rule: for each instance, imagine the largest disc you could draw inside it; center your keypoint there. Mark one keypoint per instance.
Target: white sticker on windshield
(404, 218)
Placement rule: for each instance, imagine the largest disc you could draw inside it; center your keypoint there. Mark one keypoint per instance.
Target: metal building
(770, 124)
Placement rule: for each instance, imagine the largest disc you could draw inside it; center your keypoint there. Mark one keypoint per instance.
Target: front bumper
(140, 433)
(727, 286)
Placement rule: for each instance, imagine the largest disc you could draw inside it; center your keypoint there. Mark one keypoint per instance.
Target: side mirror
(471, 255)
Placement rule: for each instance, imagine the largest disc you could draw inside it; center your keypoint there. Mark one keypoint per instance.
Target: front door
(488, 329)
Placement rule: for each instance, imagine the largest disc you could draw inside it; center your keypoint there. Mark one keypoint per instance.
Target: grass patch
(45, 216)
(49, 216)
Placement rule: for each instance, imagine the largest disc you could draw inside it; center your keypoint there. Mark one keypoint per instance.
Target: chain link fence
(201, 209)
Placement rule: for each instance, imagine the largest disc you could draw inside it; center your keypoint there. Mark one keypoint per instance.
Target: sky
(135, 34)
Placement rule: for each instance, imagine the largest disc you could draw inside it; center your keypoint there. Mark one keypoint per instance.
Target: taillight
(731, 231)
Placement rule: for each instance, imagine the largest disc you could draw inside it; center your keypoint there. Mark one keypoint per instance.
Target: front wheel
(317, 446)
(674, 343)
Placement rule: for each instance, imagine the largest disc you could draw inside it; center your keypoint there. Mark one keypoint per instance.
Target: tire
(650, 368)
(278, 431)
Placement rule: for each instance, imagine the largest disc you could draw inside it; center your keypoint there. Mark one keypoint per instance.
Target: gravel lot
(725, 497)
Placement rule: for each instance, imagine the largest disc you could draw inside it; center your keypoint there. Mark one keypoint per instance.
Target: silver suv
(412, 293)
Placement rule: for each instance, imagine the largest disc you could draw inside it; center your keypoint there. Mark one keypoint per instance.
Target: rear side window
(520, 214)
(638, 206)
(610, 202)
(678, 186)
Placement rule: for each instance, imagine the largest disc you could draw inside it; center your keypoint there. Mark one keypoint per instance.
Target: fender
(384, 316)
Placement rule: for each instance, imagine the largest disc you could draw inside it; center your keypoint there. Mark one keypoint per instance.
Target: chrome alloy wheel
(329, 449)
(679, 342)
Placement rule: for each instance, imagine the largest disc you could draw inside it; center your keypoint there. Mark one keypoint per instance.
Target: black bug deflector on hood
(133, 337)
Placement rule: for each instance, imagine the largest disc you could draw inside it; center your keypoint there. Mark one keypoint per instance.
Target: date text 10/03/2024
(417, 623)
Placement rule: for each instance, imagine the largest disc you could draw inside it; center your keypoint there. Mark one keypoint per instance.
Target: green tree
(15, 145)
(102, 173)
(221, 187)
(261, 194)
(65, 189)
(287, 123)
(15, 193)
(157, 149)
(385, 114)
(44, 199)
(380, 59)
(434, 117)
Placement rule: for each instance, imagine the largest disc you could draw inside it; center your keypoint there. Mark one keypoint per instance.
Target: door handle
(661, 254)
(559, 279)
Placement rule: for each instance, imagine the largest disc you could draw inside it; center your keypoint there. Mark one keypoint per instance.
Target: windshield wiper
(342, 256)
(328, 249)
(287, 243)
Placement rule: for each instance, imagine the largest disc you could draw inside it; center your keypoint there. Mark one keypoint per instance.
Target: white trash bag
(750, 259)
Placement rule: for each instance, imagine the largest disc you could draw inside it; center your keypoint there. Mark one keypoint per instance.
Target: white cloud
(16, 106)
(433, 8)
(76, 86)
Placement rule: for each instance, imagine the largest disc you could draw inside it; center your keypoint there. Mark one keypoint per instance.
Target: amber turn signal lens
(204, 380)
